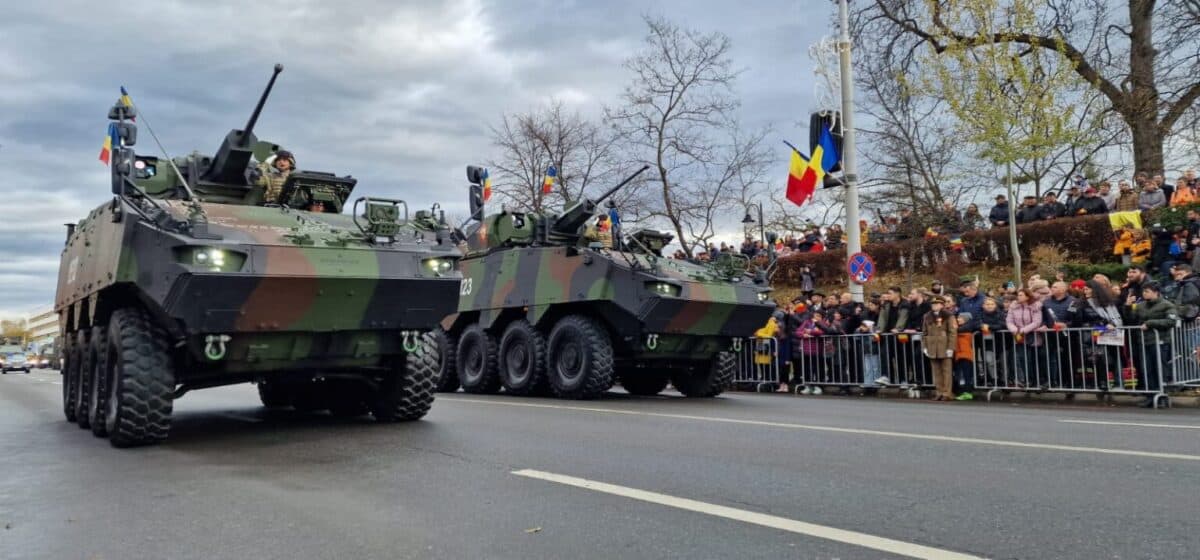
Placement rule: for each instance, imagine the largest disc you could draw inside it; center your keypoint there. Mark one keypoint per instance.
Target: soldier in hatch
(600, 232)
(273, 173)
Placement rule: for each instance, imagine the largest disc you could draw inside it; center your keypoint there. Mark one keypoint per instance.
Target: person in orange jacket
(1184, 193)
(964, 357)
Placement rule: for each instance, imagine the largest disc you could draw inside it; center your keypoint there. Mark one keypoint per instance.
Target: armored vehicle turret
(201, 272)
(552, 304)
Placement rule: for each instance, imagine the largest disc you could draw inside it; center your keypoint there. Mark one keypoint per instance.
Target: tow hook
(214, 346)
(652, 342)
(411, 340)
(737, 345)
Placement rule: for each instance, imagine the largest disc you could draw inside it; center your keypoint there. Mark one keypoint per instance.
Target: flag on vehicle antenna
(127, 102)
(487, 186)
(110, 138)
(548, 182)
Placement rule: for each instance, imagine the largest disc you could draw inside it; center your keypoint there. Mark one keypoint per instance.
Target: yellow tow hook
(214, 346)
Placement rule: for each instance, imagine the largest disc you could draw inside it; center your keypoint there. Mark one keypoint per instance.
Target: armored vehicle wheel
(142, 381)
(447, 373)
(643, 382)
(83, 393)
(98, 403)
(274, 394)
(707, 381)
(407, 391)
(581, 358)
(522, 358)
(70, 381)
(476, 359)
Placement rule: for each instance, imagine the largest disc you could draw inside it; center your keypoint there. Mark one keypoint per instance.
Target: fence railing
(1127, 360)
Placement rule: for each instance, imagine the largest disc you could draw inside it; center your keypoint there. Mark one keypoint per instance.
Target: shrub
(1085, 271)
(1171, 217)
(1088, 238)
(1049, 259)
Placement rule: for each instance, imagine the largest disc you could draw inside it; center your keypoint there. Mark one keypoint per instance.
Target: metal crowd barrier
(1123, 361)
(759, 365)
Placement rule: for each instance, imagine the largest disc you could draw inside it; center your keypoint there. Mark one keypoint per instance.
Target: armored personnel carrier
(545, 309)
(186, 280)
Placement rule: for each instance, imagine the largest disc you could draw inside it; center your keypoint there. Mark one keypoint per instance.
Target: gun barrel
(262, 100)
(610, 192)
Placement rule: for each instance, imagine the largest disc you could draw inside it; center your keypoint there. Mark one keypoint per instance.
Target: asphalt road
(741, 476)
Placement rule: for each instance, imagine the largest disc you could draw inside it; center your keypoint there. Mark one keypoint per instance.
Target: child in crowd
(964, 357)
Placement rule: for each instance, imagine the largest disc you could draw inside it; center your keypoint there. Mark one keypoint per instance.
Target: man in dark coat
(998, 216)
(1051, 208)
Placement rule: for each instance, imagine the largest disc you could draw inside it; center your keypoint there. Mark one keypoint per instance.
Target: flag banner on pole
(110, 138)
(487, 186)
(830, 158)
(548, 182)
(804, 175)
(127, 102)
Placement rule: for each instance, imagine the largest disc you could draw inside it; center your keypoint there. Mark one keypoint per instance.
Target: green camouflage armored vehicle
(545, 309)
(185, 280)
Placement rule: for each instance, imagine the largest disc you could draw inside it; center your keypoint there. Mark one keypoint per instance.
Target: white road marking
(754, 518)
(859, 431)
(1137, 424)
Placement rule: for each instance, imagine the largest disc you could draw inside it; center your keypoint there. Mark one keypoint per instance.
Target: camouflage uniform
(273, 179)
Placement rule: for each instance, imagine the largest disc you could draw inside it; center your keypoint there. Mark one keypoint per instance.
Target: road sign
(861, 268)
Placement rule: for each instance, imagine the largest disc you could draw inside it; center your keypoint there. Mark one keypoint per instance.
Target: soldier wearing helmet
(600, 232)
(273, 173)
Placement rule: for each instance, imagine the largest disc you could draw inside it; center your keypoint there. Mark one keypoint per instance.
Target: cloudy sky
(397, 93)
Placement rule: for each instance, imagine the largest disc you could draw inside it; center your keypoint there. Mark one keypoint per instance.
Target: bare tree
(1147, 72)
(677, 115)
(579, 149)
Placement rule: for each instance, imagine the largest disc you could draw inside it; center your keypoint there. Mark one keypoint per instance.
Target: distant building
(43, 326)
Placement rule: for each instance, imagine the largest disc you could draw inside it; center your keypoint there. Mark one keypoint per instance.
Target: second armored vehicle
(198, 275)
(545, 308)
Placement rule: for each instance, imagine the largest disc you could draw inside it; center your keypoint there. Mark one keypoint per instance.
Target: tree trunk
(1147, 146)
(1141, 107)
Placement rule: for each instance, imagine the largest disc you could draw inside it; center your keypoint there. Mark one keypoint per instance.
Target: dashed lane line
(835, 429)
(854, 538)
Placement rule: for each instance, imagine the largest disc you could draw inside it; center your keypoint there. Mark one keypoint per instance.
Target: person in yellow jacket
(1139, 251)
(1124, 241)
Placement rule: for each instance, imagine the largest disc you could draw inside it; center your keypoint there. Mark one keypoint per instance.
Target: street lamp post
(762, 236)
(849, 158)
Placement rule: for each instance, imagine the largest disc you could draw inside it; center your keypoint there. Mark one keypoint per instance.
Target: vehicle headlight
(212, 258)
(439, 266)
(664, 288)
(764, 297)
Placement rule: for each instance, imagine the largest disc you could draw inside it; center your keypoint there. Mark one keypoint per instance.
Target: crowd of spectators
(950, 322)
(1080, 198)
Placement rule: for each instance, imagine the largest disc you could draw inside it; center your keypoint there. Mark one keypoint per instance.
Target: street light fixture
(746, 221)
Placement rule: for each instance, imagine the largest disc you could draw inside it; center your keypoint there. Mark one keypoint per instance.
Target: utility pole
(849, 158)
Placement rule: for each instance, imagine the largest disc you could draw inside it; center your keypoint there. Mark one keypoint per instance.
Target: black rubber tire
(447, 351)
(101, 375)
(274, 395)
(708, 379)
(407, 392)
(143, 381)
(70, 380)
(477, 360)
(83, 396)
(644, 382)
(522, 359)
(580, 362)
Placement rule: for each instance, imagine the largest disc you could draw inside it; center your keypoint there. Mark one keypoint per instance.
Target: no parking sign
(861, 268)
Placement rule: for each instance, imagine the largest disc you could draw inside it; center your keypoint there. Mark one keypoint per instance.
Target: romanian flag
(829, 154)
(803, 176)
(930, 233)
(956, 243)
(548, 182)
(487, 186)
(109, 140)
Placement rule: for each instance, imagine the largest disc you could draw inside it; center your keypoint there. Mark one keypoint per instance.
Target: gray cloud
(398, 94)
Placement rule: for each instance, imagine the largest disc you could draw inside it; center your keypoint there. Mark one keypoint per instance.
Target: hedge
(1088, 238)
